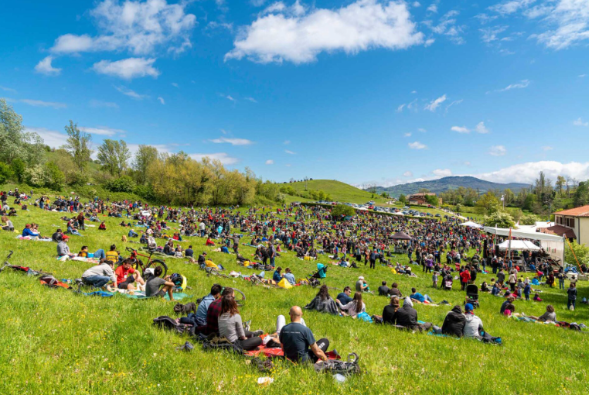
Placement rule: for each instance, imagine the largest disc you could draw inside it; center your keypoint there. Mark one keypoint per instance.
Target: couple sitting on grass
(324, 303)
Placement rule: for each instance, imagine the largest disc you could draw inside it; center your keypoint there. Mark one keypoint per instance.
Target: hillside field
(339, 191)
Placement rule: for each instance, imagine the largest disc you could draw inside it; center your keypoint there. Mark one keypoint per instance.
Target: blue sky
(362, 91)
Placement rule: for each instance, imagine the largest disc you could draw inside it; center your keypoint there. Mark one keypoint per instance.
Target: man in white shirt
(473, 325)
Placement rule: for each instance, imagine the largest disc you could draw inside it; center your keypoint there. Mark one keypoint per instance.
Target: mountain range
(448, 183)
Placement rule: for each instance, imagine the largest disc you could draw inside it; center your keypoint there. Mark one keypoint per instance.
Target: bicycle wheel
(239, 297)
(158, 262)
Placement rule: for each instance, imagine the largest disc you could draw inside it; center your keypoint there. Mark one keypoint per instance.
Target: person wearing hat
(361, 286)
(473, 324)
(63, 249)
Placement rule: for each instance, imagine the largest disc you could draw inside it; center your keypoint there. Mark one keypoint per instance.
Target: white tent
(399, 213)
(519, 245)
(552, 244)
(471, 224)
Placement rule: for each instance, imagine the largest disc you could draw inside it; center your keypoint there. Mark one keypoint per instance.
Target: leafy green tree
(113, 156)
(581, 252)
(121, 184)
(529, 202)
(144, 156)
(433, 200)
(529, 219)
(403, 199)
(488, 203)
(54, 177)
(501, 219)
(5, 172)
(15, 141)
(342, 210)
(78, 145)
(18, 169)
(560, 184)
(581, 196)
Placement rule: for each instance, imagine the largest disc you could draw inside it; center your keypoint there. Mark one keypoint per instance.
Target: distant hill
(337, 190)
(448, 183)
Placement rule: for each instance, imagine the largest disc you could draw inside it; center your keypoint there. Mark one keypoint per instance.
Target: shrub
(5, 172)
(121, 184)
(501, 219)
(342, 210)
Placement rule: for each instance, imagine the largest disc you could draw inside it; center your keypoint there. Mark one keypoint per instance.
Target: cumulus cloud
(442, 172)
(223, 157)
(52, 138)
(408, 174)
(102, 130)
(460, 129)
(497, 150)
(579, 122)
(298, 34)
(528, 172)
(138, 27)
(269, 162)
(290, 152)
(131, 93)
(127, 68)
(434, 104)
(417, 145)
(433, 8)
(45, 67)
(520, 85)
(481, 128)
(232, 141)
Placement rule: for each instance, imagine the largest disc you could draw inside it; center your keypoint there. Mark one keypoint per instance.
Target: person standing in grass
(561, 278)
(527, 290)
(572, 294)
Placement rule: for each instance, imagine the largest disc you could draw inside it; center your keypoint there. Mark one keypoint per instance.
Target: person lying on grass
(152, 288)
(353, 308)
(100, 275)
(231, 326)
(323, 302)
(548, 316)
(127, 277)
(298, 342)
(419, 298)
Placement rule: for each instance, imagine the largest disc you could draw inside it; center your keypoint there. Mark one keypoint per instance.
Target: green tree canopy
(78, 145)
(113, 156)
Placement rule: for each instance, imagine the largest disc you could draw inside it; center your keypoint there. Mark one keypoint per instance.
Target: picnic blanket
(276, 352)
(31, 238)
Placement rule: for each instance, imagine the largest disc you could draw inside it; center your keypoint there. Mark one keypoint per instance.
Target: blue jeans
(561, 283)
(99, 254)
(97, 281)
(426, 297)
(571, 303)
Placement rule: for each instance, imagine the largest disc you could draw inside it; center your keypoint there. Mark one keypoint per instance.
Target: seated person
(298, 342)
(169, 248)
(102, 226)
(416, 296)
(355, 307)
(323, 302)
(406, 317)
(383, 290)
(548, 316)
(127, 276)
(63, 249)
(473, 325)
(344, 297)
(143, 239)
(507, 302)
(132, 233)
(289, 276)
(152, 288)
(277, 276)
(231, 326)
(70, 230)
(394, 291)
(361, 286)
(113, 254)
(213, 313)
(388, 313)
(100, 275)
(27, 231)
(203, 306)
(209, 242)
(224, 250)
(485, 287)
(56, 237)
(99, 254)
(454, 322)
(7, 224)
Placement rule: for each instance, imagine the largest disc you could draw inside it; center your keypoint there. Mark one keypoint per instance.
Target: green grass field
(57, 341)
(339, 191)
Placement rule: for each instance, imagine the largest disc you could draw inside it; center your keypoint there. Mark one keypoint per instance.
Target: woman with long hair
(231, 326)
(323, 302)
(355, 307)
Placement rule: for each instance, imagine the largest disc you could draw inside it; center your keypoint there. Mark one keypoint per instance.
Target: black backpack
(169, 323)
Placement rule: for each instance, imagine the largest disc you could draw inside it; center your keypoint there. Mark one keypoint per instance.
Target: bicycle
(28, 270)
(138, 264)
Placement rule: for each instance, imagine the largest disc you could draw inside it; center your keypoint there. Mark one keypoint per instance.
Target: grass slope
(339, 191)
(56, 341)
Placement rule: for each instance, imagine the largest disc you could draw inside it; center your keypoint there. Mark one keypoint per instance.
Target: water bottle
(339, 378)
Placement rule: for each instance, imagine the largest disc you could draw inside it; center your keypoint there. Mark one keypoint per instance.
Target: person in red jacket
(464, 278)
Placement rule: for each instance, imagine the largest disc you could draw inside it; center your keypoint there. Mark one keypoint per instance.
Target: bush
(342, 210)
(145, 192)
(500, 219)
(5, 172)
(121, 184)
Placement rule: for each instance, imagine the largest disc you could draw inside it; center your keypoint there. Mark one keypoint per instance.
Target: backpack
(336, 366)
(166, 322)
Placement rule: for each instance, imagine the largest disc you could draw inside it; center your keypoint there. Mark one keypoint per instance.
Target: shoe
(259, 332)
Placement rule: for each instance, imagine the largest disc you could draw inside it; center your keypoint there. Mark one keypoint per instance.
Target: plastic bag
(284, 284)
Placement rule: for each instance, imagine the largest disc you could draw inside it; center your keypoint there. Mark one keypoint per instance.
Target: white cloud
(511, 6)
(436, 103)
(103, 131)
(228, 97)
(490, 34)
(51, 138)
(416, 4)
(579, 122)
(422, 130)
(432, 8)
(232, 141)
(290, 152)
(223, 157)
(220, 25)
(481, 128)
(547, 148)
(127, 68)
(130, 93)
(161, 99)
(570, 19)
(8, 89)
(286, 142)
(106, 104)
(447, 26)
(528, 172)
(442, 172)
(497, 150)
(460, 129)
(408, 174)
(417, 145)
(298, 35)
(175, 85)
(40, 103)
(520, 85)
(45, 67)
(258, 3)
(251, 99)
(269, 162)
(400, 108)
(455, 102)
(135, 26)
(408, 134)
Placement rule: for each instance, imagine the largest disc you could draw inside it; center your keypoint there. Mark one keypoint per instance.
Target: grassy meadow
(57, 341)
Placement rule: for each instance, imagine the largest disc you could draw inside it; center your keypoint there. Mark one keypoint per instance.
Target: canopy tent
(471, 224)
(398, 213)
(400, 236)
(519, 245)
(553, 245)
